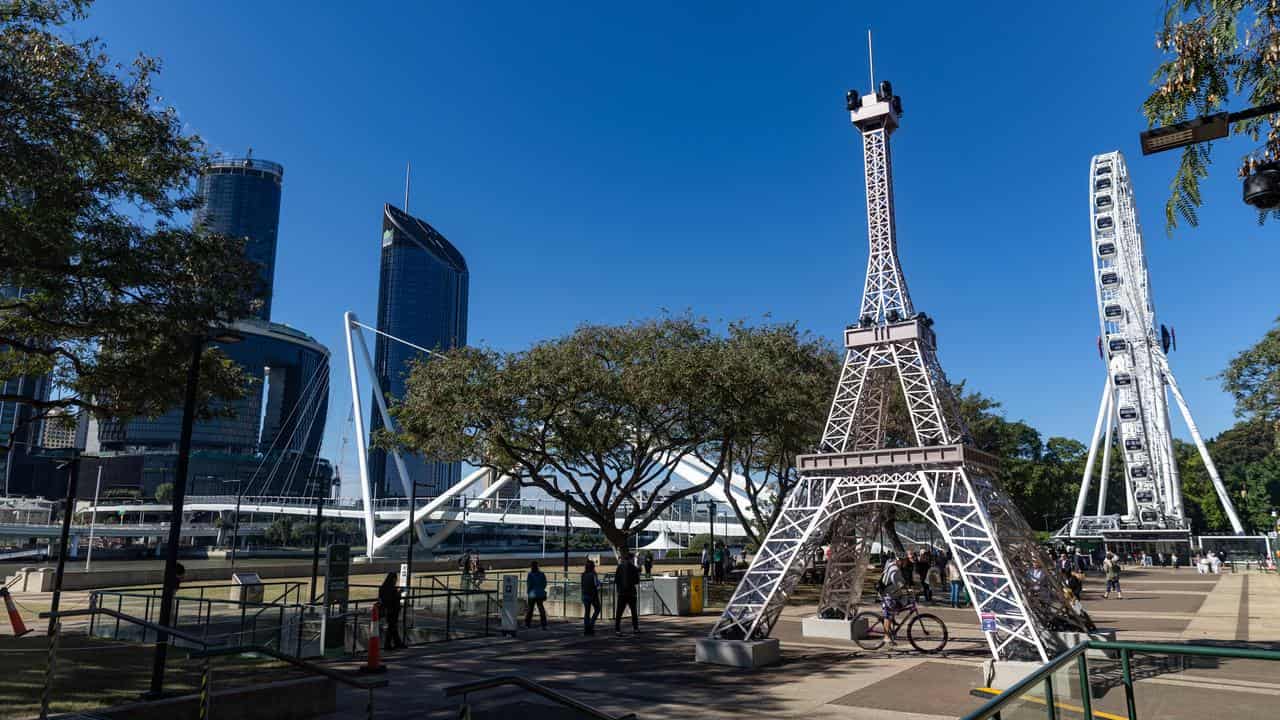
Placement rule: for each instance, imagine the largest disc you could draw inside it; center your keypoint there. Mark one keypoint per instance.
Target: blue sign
(988, 622)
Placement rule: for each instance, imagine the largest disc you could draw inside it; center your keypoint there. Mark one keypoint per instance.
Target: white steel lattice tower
(847, 486)
(1134, 411)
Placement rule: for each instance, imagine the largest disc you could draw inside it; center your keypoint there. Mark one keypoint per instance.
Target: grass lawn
(96, 673)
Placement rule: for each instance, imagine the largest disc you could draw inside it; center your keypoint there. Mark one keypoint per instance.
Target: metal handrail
(535, 688)
(355, 682)
(158, 628)
(1045, 673)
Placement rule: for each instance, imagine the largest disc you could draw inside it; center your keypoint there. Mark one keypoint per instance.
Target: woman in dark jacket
(590, 599)
(389, 600)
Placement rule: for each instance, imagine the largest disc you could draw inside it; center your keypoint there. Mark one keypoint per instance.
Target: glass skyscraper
(240, 198)
(270, 438)
(422, 298)
(17, 429)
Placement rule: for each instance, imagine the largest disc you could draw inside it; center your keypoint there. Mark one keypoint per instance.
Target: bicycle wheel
(927, 633)
(874, 637)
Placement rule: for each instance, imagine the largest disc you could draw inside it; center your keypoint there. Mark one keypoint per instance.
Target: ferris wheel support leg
(1221, 489)
(1093, 454)
(1106, 457)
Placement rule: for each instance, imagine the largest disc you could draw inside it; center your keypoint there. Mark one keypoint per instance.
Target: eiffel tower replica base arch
(847, 487)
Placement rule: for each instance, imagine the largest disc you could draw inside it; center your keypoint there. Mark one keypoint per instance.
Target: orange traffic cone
(374, 662)
(15, 619)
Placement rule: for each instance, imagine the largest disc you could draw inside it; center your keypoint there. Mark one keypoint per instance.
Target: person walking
(648, 563)
(389, 605)
(953, 575)
(908, 568)
(717, 562)
(536, 588)
(922, 572)
(705, 561)
(1111, 569)
(626, 581)
(590, 599)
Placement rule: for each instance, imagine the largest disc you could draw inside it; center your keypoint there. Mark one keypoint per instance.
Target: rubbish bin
(674, 592)
(246, 587)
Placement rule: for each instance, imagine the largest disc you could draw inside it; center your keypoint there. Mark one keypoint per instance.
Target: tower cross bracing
(849, 485)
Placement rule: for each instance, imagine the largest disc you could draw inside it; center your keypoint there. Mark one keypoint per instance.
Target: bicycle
(925, 631)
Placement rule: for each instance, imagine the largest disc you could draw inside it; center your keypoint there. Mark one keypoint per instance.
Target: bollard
(374, 661)
(15, 618)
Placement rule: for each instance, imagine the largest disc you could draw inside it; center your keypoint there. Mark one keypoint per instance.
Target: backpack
(880, 586)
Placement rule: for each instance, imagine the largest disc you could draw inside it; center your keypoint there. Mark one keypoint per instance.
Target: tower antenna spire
(871, 60)
(406, 186)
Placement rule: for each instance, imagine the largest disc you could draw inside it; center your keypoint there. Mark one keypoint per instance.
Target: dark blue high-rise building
(268, 442)
(422, 298)
(240, 198)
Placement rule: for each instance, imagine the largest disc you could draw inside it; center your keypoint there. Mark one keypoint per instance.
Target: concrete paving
(654, 676)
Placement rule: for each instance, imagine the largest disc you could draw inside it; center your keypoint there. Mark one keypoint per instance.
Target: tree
(1216, 51)
(102, 286)
(597, 419)
(785, 378)
(280, 531)
(164, 492)
(1253, 379)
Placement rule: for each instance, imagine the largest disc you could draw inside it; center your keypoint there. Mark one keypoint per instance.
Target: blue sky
(600, 163)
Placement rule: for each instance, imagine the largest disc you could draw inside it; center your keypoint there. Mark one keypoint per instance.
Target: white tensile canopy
(662, 544)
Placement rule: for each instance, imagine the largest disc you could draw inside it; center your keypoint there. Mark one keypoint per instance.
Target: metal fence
(427, 616)
(196, 611)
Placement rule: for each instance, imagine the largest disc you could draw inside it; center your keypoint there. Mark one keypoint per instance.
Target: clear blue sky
(600, 163)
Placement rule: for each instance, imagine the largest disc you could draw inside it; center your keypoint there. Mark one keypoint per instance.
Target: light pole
(179, 497)
(1262, 181)
(711, 523)
(73, 469)
(315, 547)
(235, 522)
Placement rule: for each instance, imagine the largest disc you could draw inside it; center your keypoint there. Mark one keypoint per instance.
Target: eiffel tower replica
(847, 487)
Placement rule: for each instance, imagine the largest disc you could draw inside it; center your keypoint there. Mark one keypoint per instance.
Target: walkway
(654, 674)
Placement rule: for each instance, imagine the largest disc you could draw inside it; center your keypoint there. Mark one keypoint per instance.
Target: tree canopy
(1216, 52)
(598, 419)
(1253, 379)
(102, 282)
(788, 377)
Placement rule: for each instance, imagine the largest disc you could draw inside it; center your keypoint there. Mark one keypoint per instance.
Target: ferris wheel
(1133, 415)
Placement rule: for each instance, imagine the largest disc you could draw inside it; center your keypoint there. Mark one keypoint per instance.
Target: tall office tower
(18, 430)
(422, 298)
(240, 198)
(269, 443)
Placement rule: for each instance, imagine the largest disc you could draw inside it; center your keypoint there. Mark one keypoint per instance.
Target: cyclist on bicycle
(891, 588)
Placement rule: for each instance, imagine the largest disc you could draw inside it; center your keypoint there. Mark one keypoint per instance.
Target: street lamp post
(1262, 182)
(73, 469)
(315, 548)
(711, 523)
(175, 513)
(235, 523)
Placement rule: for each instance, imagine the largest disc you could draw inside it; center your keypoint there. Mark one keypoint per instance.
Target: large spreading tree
(787, 377)
(103, 283)
(601, 418)
(1219, 55)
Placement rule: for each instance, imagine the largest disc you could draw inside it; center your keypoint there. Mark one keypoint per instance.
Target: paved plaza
(654, 676)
